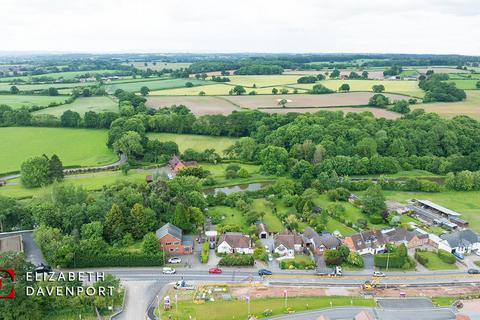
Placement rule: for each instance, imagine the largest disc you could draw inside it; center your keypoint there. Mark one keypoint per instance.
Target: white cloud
(417, 26)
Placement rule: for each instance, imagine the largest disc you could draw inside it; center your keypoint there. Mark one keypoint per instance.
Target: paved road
(119, 162)
(32, 251)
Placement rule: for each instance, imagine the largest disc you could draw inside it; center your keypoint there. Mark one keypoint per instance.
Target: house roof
(235, 240)
(170, 229)
(402, 234)
(174, 161)
(326, 239)
(288, 239)
(462, 238)
(367, 239)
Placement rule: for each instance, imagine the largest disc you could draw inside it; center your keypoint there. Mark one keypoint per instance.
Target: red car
(214, 270)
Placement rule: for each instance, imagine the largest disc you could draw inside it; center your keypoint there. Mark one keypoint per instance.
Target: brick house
(172, 241)
(367, 242)
(411, 239)
(175, 164)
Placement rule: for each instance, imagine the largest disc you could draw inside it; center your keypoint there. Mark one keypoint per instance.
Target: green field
(270, 219)
(75, 147)
(82, 105)
(152, 85)
(237, 309)
(263, 80)
(465, 203)
(232, 216)
(409, 88)
(69, 75)
(216, 90)
(17, 101)
(435, 263)
(196, 142)
(465, 84)
(218, 173)
(89, 181)
(36, 87)
(159, 65)
(469, 106)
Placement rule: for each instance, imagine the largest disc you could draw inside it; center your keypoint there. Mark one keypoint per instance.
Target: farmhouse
(411, 239)
(367, 242)
(460, 241)
(172, 240)
(175, 164)
(234, 242)
(288, 243)
(11, 243)
(317, 243)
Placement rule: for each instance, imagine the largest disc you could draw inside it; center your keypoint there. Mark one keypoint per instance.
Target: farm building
(435, 214)
(288, 243)
(412, 239)
(173, 241)
(367, 242)
(234, 242)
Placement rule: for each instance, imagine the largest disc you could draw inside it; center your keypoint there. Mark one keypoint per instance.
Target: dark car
(264, 272)
(43, 268)
(473, 271)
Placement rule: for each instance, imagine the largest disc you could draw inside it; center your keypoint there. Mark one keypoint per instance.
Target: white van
(168, 270)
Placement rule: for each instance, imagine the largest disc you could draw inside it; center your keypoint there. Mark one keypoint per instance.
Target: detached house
(172, 240)
(175, 164)
(460, 241)
(317, 243)
(411, 239)
(234, 242)
(367, 242)
(288, 243)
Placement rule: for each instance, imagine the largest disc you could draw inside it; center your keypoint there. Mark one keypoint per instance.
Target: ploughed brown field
(302, 103)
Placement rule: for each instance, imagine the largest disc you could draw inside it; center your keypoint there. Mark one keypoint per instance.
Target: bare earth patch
(197, 104)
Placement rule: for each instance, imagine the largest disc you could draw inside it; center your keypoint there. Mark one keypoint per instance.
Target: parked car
(378, 274)
(458, 255)
(175, 260)
(270, 257)
(473, 271)
(43, 268)
(168, 270)
(215, 270)
(264, 272)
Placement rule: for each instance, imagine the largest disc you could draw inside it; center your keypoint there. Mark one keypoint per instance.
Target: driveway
(405, 303)
(368, 262)
(32, 251)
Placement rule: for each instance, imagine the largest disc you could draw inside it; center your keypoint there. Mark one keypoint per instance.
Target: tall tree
(55, 168)
(115, 224)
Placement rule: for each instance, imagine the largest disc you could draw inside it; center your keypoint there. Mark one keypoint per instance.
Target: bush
(422, 259)
(375, 219)
(303, 264)
(446, 256)
(237, 260)
(205, 252)
(118, 259)
(355, 259)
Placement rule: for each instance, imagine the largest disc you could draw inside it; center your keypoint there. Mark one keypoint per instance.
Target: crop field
(17, 101)
(195, 142)
(372, 74)
(465, 84)
(447, 69)
(377, 113)
(263, 80)
(35, 87)
(82, 105)
(307, 100)
(152, 85)
(469, 107)
(404, 87)
(197, 104)
(75, 147)
(159, 65)
(216, 90)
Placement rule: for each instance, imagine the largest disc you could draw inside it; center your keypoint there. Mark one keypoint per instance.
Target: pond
(238, 187)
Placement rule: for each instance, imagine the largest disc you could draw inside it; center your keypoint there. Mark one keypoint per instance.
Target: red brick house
(172, 241)
(175, 164)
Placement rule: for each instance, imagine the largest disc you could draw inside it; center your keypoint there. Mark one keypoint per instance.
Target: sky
(278, 26)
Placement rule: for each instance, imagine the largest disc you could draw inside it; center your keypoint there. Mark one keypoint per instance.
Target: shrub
(421, 258)
(205, 252)
(446, 256)
(375, 219)
(355, 259)
(237, 260)
(118, 259)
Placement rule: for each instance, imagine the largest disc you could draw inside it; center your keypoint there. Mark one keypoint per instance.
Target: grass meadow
(69, 75)
(82, 105)
(75, 147)
(469, 107)
(135, 86)
(16, 101)
(195, 142)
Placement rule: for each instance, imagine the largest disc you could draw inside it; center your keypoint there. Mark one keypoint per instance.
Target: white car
(175, 260)
(378, 274)
(168, 270)
(270, 257)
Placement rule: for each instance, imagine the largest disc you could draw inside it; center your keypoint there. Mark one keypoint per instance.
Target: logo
(11, 274)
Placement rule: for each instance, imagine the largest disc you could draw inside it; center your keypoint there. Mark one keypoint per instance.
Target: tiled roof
(169, 229)
(235, 240)
(288, 239)
(462, 238)
(368, 239)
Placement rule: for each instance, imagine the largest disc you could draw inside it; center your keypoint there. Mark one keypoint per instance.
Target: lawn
(232, 216)
(237, 309)
(196, 142)
(89, 181)
(465, 203)
(335, 225)
(75, 147)
(218, 172)
(82, 105)
(270, 219)
(435, 263)
(17, 101)
(409, 88)
(469, 106)
(135, 86)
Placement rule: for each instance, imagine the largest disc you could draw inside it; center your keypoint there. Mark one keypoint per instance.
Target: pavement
(30, 248)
